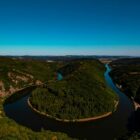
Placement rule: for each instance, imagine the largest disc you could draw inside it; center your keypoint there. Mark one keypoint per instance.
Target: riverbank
(136, 105)
(75, 120)
(12, 130)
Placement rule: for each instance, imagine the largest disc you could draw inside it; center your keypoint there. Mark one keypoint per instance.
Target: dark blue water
(106, 128)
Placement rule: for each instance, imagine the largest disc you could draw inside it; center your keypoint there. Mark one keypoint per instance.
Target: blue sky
(62, 27)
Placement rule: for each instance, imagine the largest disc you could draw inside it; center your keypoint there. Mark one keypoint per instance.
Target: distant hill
(82, 92)
(64, 58)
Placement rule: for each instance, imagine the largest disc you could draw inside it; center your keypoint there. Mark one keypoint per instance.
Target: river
(106, 128)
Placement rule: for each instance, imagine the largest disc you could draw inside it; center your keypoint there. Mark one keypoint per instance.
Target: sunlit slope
(16, 74)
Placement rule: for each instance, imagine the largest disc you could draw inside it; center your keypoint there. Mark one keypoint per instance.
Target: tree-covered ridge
(82, 93)
(126, 72)
(16, 74)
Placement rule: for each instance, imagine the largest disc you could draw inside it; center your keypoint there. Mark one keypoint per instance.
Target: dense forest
(126, 73)
(82, 93)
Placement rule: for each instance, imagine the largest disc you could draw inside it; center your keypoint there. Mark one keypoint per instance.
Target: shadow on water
(19, 95)
(106, 128)
(134, 121)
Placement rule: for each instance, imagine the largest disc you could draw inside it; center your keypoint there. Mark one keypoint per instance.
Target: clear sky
(62, 27)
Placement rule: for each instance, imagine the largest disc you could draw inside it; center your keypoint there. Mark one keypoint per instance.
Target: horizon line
(84, 55)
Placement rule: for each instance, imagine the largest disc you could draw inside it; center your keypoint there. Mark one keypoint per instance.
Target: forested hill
(82, 92)
(126, 73)
(16, 74)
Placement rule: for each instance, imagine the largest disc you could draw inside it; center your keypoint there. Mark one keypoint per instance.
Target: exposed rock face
(12, 89)
(16, 81)
(23, 73)
(38, 82)
(4, 92)
(16, 77)
(2, 88)
(22, 78)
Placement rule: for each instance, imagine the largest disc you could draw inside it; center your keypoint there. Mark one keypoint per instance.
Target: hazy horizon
(17, 50)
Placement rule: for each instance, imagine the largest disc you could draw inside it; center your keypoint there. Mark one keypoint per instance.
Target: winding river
(106, 128)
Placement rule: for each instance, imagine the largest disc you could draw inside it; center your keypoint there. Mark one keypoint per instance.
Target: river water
(107, 128)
